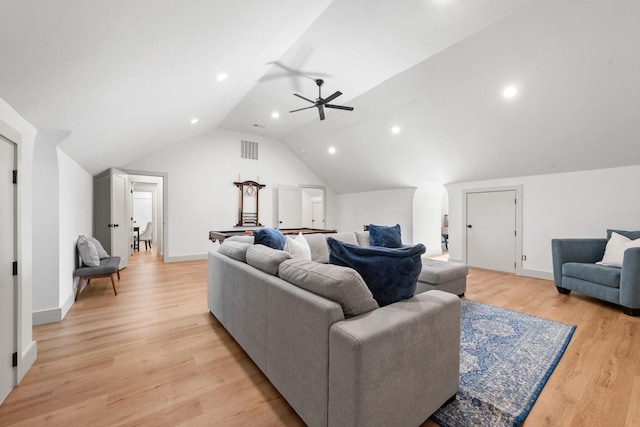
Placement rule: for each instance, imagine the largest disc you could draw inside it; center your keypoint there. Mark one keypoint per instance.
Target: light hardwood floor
(154, 355)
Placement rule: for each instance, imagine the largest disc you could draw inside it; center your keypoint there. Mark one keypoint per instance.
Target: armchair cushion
(607, 276)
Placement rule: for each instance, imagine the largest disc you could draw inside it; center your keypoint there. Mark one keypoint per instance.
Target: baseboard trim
(28, 359)
(537, 274)
(43, 317)
(182, 258)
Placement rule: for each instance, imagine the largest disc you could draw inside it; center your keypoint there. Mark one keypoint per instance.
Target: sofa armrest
(575, 250)
(395, 365)
(630, 279)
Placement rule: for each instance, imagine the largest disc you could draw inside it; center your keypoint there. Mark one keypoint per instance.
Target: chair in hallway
(146, 236)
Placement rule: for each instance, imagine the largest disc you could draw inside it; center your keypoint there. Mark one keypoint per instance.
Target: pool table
(221, 235)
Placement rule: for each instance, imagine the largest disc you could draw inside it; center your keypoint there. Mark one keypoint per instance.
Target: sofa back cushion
(318, 244)
(390, 273)
(363, 238)
(244, 238)
(234, 249)
(265, 258)
(340, 284)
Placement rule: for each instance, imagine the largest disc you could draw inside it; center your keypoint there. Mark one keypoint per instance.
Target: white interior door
(7, 256)
(289, 207)
(121, 229)
(111, 218)
(491, 230)
(317, 215)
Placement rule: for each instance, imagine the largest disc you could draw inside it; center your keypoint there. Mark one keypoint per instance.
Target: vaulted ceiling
(126, 77)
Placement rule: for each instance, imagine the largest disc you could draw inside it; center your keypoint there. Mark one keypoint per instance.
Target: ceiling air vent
(249, 150)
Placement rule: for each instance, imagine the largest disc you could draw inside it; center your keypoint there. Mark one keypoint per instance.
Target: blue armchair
(575, 268)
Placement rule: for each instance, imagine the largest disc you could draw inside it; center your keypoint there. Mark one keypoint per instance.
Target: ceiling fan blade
(339, 107)
(300, 109)
(306, 99)
(332, 97)
(321, 111)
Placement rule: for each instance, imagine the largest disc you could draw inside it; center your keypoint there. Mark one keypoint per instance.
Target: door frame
(519, 202)
(15, 308)
(164, 227)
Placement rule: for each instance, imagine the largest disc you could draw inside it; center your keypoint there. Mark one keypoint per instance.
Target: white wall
(386, 207)
(428, 216)
(15, 128)
(76, 218)
(576, 204)
(201, 193)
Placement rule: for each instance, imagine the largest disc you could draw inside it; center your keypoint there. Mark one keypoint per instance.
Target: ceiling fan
(321, 103)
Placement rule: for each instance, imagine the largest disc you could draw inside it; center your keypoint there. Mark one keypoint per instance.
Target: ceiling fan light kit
(322, 103)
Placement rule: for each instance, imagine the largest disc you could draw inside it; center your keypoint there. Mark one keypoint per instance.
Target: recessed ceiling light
(194, 121)
(332, 150)
(275, 115)
(510, 91)
(395, 130)
(221, 77)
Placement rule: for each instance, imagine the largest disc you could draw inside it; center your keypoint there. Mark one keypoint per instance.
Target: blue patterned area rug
(505, 359)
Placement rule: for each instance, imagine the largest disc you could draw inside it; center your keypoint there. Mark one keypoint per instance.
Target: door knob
(469, 226)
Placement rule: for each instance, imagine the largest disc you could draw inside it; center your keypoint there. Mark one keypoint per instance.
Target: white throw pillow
(614, 252)
(298, 248)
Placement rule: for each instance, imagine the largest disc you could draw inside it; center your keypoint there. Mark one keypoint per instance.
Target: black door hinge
(15, 360)
(15, 176)
(15, 268)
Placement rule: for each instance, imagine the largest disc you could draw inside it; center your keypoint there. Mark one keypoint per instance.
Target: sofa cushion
(298, 247)
(340, 284)
(437, 272)
(234, 249)
(318, 244)
(270, 237)
(390, 273)
(88, 252)
(244, 238)
(363, 238)
(614, 251)
(265, 258)
(607, 276)
(388, 237)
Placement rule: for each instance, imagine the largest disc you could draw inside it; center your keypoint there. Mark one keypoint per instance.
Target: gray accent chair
(575, 268)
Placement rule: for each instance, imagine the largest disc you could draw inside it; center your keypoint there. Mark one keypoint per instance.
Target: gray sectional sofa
(323, 342)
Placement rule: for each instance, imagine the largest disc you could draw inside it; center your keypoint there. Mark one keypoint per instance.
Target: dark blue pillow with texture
(390, 273)
(387, 237)
(271, 237)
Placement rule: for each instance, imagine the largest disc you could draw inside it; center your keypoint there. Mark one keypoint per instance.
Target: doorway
(493, 229)
(147, 205)
(7, 257)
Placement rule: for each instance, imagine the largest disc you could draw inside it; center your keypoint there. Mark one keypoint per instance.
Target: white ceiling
(125, 78)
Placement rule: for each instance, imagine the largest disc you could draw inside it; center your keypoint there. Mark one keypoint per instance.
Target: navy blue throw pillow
(390, 273)
(388, 237)
(271, 237)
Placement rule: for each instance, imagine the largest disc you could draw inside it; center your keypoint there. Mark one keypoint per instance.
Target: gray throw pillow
(101, 252)
(265, 258)
(88, 252)
(340, 284)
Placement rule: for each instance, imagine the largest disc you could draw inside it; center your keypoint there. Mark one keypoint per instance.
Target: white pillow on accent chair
(614, 252)
(101, 252)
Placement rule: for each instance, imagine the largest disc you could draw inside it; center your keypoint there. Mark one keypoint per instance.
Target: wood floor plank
(154, 355)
